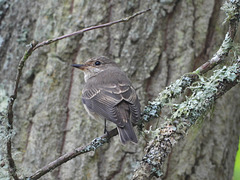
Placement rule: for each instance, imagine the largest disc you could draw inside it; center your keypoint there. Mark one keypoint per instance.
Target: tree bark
(153, 49)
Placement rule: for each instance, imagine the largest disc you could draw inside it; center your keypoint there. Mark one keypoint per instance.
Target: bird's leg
(105, 130)
(105, 126)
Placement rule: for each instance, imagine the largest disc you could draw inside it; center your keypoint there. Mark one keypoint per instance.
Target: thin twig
(96, 143)
(12, 166)
(89, 29)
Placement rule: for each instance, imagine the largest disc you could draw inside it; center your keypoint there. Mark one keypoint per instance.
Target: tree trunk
(154, 49)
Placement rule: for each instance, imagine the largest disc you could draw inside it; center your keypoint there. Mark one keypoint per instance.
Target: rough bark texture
(153, 49)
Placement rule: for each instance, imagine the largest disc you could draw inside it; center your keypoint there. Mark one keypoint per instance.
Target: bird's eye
(97, 63)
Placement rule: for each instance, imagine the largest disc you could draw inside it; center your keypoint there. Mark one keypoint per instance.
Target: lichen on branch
(204, 95)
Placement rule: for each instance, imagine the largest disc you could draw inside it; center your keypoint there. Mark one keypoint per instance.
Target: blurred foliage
(236, 174)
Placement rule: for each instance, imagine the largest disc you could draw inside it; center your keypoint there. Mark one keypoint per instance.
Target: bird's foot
(108, 134)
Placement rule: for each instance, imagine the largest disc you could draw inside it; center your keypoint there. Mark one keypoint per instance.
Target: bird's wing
(108, 102)
(129, 95)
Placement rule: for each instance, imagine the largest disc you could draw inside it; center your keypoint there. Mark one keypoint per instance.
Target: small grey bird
(108, 94)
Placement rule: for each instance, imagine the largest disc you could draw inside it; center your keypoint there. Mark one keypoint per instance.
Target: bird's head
(94, 66)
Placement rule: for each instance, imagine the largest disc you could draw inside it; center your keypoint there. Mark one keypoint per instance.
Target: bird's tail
(127, 133)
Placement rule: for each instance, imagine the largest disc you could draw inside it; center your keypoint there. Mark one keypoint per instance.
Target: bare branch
(96, 143)
(12, 166)
(89, 29)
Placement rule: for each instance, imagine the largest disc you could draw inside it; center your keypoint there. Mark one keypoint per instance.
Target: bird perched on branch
(109, 95)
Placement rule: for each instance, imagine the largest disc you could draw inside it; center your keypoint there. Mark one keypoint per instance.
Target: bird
(108, 94)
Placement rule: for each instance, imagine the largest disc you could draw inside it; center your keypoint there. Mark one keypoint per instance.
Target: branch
(33, 46)
(177, 88)
(89, 29)
(232, 10)
(12, 166)
(205, 94)
(96, 143)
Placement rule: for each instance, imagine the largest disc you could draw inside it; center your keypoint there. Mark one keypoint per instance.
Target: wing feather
(117, 103)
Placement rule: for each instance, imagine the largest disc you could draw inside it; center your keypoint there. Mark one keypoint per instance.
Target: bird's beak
(79, 66)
